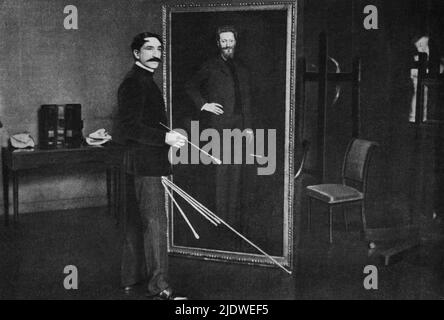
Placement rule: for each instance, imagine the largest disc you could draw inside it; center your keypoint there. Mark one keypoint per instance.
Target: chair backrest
(356, 162)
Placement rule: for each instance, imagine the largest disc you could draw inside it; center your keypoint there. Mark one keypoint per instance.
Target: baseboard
(62, 204)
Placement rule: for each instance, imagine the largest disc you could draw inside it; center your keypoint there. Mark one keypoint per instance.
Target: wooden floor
(33, 256)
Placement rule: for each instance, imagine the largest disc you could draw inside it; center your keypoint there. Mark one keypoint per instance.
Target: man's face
(227, 44)
(150, 54)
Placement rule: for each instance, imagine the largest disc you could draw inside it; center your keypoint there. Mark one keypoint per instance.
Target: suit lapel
(221, 65)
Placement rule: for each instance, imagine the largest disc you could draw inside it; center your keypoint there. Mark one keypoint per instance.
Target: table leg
(108, 189)
(116, 201)
(6, 193)
(122, 193)
(15, 182)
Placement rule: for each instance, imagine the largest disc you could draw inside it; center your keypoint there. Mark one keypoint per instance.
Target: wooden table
(111, 158)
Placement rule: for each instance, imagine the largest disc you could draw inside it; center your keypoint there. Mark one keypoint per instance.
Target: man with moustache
(141, 109)
(220, 91)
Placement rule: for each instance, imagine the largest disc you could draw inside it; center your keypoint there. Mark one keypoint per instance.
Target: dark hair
(418, 36)
(226, 28)
(139, 40)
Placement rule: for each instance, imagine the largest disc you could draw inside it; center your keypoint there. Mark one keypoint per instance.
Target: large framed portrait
(229, 85)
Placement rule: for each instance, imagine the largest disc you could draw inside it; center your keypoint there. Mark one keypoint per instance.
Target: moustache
(155, 60)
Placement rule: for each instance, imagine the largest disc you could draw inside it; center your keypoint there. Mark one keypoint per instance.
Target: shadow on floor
(34, 255)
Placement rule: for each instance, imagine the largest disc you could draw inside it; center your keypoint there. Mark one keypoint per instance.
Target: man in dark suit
(220, 90)
(141, 109)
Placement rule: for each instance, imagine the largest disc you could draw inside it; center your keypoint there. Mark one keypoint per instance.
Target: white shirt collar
(138, 63)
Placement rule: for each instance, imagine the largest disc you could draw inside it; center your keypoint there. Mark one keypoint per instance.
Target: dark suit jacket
(214, 83)
(140, 109)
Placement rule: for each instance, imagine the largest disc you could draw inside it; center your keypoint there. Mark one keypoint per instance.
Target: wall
(42, 63)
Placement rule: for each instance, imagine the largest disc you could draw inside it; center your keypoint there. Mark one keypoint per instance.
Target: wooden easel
(425, 79)
(424, 128)
(324, 78)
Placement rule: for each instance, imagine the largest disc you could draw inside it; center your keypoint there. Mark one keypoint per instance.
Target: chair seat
(334, 193)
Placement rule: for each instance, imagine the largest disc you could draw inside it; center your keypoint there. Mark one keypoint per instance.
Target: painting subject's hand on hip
(213, 107)
(175, 139)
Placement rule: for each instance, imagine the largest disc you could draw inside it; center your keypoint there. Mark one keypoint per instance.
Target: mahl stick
(205, 209)
(196, 207)
(193, 145)
(255, 246)
(244, 238)
(196, 235)
(193, 202)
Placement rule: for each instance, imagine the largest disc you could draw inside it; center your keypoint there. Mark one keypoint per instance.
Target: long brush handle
(194, 203)
(218, 161)
(236, 232)
(208, 211)
(196, 235)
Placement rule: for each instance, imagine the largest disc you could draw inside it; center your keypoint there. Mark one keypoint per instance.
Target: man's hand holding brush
(175, 139)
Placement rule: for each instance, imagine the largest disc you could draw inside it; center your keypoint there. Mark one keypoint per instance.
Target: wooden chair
(354, 183)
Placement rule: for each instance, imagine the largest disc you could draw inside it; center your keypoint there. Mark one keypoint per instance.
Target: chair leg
(309, 215)
(344, 212)
(330, 211)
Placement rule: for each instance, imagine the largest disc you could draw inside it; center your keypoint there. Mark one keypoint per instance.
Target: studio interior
(343, 198)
